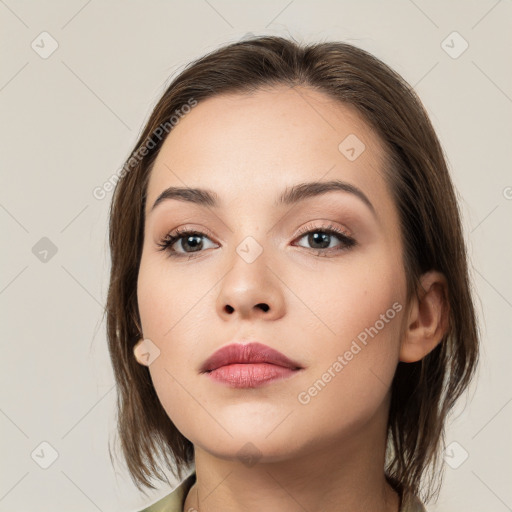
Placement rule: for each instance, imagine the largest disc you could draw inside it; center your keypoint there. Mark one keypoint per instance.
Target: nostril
(229, 309)
(264, 307)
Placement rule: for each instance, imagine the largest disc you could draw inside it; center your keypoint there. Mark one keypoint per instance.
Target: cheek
(344, 300)
(356, 346)
(358, 309)
(166, 302)
(167, 297)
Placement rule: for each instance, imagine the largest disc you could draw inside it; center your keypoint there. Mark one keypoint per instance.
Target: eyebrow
(290, 195)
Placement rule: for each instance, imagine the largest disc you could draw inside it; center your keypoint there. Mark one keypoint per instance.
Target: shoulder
(174, 501)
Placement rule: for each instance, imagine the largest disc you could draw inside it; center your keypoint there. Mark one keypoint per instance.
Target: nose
(251, 290)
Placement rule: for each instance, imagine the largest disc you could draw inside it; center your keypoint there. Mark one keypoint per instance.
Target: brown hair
(422, 392)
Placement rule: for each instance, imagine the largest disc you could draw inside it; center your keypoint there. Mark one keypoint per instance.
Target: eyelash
(347, 241)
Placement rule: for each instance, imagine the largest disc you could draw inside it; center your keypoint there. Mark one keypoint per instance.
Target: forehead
(254, 145)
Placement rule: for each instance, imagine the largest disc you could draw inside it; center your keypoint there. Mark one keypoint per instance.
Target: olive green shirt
(175, 501)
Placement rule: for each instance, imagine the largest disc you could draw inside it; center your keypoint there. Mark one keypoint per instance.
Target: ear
(428, 318)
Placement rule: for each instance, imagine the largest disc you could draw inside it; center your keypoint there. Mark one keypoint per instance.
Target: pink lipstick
(248, 365)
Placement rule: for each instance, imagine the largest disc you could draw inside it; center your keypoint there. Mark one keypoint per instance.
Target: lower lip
(250, 375)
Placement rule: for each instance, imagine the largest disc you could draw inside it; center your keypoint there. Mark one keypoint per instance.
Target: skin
(328, 454)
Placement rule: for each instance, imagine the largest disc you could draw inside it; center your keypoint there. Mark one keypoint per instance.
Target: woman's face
(335, 303)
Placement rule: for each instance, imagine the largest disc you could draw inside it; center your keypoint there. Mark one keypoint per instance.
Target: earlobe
(428, 319)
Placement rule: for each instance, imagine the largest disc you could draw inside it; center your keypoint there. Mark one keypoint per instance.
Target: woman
(289, 310)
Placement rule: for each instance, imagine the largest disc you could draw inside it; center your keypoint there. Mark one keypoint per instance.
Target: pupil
(194, 245)
(314, 238)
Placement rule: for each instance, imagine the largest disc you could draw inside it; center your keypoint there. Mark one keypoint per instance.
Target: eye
(321, 239)
(191, 242)
(184, 240)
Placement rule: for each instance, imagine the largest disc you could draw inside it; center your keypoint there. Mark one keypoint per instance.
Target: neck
(342, 473)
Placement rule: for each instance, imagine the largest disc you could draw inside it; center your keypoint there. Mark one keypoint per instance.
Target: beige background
(70, 118)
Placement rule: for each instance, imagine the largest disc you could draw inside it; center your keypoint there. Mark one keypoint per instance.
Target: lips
(250, 353)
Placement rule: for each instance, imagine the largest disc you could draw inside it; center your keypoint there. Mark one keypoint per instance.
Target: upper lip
(247, 353)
